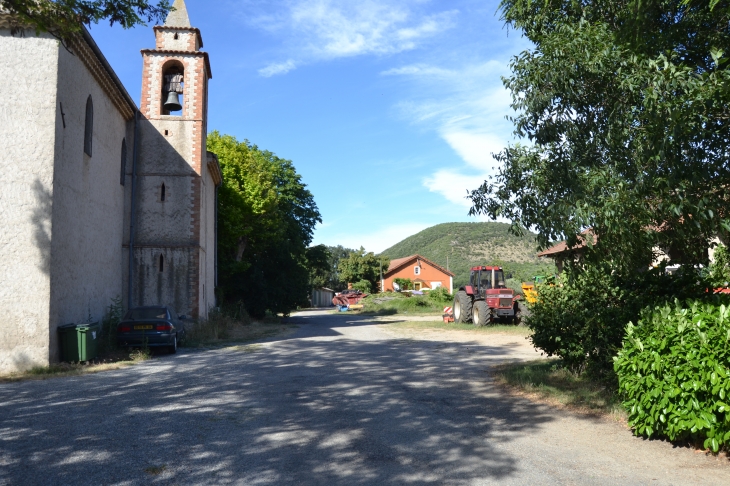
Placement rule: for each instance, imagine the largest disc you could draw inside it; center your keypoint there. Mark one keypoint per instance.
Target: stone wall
(28, 117)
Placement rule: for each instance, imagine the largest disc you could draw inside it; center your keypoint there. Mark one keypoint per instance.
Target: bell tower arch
(173, 156)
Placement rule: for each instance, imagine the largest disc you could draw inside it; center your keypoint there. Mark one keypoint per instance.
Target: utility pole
(381, 276)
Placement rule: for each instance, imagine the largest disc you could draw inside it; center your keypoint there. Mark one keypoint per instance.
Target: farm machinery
(486, 299)
(529, 288)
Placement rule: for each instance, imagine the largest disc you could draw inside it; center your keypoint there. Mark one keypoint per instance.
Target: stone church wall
(28, 118)
(88, 201)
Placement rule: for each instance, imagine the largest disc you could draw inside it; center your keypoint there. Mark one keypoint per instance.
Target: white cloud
(466, 107)
(452, 184)
(316, 30)
(417, 70)
(475, 149)
(375, 240)
(277, 68)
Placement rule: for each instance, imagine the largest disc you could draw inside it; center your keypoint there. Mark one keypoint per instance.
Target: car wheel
(173, 348)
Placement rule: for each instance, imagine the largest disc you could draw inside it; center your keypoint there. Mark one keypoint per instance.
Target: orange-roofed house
(424, 274)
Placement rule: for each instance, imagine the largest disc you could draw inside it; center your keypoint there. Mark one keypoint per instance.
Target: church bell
(173, 101)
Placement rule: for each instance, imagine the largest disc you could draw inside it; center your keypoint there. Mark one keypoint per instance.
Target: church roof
(179, 16)
(92, 57)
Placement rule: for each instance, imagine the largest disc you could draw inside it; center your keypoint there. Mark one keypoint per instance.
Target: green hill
(470, 244)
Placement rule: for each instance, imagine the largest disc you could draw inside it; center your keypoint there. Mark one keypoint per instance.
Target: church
(101, 199)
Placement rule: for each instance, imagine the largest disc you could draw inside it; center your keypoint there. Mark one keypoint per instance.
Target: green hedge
(582, 317)
(674, 373)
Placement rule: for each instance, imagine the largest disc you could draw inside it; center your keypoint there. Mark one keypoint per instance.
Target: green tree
(363, 286)
(266, 217)
(318, 264)
(624, 108)
(64, 18)
(362, 265)
(337, 254)
(719, 270)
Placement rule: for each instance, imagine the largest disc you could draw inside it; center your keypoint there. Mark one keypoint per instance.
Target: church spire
(179, 16)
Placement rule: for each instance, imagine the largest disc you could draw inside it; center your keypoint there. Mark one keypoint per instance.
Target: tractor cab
(487, 278)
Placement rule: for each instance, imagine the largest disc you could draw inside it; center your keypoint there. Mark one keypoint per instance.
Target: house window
(162, 192)
(123, 169)
(417, 270)
(89, 127)
(162, 263)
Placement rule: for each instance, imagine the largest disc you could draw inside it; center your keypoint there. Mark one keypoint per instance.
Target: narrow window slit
(162, 192)
(162, 263)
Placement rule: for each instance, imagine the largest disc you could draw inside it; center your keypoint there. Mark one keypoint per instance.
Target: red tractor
(486, 299)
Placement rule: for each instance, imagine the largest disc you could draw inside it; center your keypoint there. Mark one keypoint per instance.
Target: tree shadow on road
(328, 412)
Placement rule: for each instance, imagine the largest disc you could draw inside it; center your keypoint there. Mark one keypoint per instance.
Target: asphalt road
(339, 401)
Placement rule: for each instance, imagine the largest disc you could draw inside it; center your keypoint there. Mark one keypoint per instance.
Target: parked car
(153, 326)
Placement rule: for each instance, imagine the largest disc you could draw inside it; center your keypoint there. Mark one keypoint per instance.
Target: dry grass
(58, 370)
(443, 326)
(544, 381)
(221, 329)
(225, 332)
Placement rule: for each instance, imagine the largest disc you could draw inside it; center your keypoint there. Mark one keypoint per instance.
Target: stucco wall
(27, 130)
(88, 201)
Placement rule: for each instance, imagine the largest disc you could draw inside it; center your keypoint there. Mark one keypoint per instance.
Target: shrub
(719, 270)
(440, 295)
(404, 283)
(218, 326)
(674, 373)
(362, 285)
(110, 321)
(583, 316)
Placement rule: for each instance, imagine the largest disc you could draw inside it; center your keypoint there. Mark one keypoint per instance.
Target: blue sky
(388, 109)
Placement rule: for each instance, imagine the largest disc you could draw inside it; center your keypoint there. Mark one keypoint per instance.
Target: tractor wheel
(517, 317)
(462, 307)
(482, 314)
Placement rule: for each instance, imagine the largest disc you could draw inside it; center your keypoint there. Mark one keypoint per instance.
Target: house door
(417, 286)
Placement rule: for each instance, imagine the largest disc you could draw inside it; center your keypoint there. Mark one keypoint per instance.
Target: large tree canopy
(266, 218)
(362, 265)
(64, 18)
(624, 111)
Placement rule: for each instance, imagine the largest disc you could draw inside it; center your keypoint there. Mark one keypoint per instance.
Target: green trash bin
(79, 341)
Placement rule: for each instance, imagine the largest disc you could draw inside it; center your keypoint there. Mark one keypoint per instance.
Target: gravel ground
(340, 401)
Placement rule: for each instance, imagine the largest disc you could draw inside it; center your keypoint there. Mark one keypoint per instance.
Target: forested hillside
(469, 244)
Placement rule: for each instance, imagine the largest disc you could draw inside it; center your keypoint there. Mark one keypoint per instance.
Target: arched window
(89, 128)
(124, 161)
(162, 192)
(162, 263)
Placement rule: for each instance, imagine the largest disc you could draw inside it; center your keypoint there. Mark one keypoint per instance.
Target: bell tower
(172, 226)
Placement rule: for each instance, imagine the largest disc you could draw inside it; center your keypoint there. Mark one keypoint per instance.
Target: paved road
(340, 401)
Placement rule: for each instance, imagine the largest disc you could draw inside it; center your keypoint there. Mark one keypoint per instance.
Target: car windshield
(148, 313)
